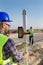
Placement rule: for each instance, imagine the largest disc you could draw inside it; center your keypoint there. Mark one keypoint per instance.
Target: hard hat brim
(6, 21)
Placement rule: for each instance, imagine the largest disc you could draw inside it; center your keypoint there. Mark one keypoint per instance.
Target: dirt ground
(35, 51)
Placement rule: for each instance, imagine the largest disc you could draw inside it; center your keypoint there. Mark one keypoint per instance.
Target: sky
(34, 12)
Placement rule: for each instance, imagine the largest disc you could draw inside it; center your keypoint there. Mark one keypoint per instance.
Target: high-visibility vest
(3, 40)
(31, 31)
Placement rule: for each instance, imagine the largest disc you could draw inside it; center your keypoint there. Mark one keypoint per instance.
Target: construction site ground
(35, 51)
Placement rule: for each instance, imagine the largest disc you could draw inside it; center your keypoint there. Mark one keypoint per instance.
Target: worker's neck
(1, 30)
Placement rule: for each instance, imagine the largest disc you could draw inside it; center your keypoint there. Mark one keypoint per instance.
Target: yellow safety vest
(3, 40)
(31, 31)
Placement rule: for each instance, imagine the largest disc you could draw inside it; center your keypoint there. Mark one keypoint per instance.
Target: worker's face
(5, 26)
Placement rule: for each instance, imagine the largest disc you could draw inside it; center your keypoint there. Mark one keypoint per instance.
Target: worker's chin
(5, 32)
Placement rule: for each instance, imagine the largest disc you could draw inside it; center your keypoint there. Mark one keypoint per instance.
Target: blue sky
(34, 11)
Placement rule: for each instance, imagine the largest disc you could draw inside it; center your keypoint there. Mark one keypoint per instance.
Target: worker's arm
(25, 33)
(14, 52)
(9, 49)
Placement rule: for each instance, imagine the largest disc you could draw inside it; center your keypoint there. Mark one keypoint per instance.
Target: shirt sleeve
(14, 52)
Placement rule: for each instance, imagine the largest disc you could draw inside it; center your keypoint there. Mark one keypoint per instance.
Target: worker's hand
(25, 55)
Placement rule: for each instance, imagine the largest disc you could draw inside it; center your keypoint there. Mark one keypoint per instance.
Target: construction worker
(8, 52)
(31, 31)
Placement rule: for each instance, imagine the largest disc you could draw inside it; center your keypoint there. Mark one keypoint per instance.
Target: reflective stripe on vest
(3, 40)
(31, 31)
(9, 62)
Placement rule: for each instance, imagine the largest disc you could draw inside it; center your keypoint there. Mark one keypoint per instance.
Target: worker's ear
(1, 25)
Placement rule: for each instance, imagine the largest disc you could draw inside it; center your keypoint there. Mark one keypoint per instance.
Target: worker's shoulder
(10, 42)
